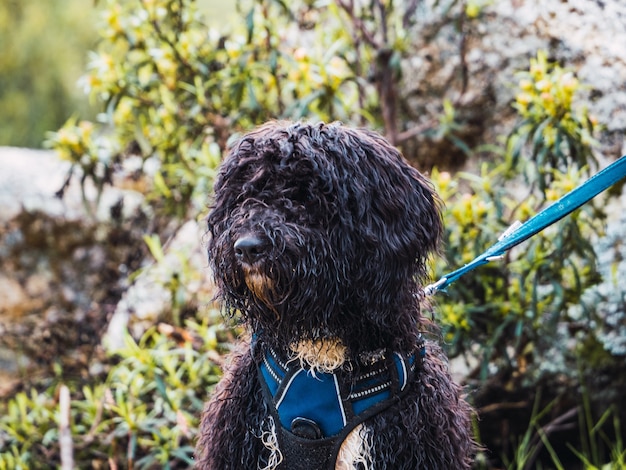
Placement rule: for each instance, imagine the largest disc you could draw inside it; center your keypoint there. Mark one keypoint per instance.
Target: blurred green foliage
(173, 90)
(43, 48)
(144, 414)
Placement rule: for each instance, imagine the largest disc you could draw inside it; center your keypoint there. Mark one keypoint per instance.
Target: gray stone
(587, 36)
(60, 259)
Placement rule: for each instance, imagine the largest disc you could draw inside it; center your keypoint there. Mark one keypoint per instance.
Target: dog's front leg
(231, 425)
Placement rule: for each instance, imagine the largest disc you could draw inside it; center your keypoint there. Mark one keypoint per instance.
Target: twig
(66, 183)
(414, 131)
(502, 406)
(463, 51)
(367, 36)
(65, 433)
(409, 12)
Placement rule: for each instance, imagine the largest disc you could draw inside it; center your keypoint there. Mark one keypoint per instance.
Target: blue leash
(518, 232)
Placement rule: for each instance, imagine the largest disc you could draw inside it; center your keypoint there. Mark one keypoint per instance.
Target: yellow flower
(300, 54)
(85, 128)
(523, 99)
(481, 209)
(551, 195)
(525, 211)
(124, 111)
(526, 84)
(536, 70)
(472, 10)
(443, 181)
(112, 18)
(568, 82)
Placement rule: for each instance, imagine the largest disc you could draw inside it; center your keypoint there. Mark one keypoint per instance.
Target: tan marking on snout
(261, 286)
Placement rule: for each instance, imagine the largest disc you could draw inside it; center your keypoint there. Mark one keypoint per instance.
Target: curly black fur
(342, 227)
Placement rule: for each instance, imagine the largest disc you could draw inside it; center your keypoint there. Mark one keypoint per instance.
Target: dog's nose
(249, 249)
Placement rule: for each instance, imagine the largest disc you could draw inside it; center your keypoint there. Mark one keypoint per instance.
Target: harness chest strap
(317, 410)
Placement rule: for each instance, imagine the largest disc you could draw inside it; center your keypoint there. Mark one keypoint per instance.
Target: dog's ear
(421, 216)
(394, 207)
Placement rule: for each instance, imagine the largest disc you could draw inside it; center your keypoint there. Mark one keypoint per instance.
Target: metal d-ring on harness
(519, 232)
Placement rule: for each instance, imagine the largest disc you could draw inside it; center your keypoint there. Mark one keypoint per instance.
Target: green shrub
(541, 316)
(558, 132)
(173, 91)
(148, 75)
(144, 415)
(507, 312)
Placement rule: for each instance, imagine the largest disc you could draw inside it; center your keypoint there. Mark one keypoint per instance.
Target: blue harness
(317, 410)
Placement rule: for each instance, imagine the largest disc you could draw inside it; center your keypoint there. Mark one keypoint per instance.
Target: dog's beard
(261, 286)
(290, 293)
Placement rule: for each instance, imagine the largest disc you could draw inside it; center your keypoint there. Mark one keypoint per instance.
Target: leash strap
(518, 232)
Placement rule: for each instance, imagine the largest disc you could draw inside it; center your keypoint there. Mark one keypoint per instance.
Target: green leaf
(154, 245)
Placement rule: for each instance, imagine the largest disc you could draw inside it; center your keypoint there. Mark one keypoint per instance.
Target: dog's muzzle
(251, 251)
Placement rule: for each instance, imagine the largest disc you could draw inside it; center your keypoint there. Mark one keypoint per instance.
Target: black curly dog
(319, 236)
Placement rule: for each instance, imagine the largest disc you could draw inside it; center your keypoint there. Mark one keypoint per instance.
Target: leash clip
(431, 289)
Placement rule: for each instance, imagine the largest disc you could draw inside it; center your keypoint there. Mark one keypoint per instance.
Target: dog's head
(322, 231)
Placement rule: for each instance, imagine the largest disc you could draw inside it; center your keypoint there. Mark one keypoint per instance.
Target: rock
(475, 68)
(15, 300)
(31, 179)
(64, 264)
